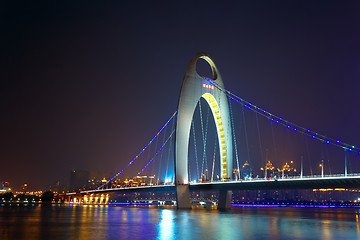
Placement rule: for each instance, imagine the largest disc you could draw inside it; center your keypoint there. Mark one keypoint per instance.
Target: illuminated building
(287, 171)
(269, 170)
(5, 187)
(246, 170)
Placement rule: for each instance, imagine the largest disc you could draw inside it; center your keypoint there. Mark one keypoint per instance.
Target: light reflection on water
(99, 222)
(166, 225)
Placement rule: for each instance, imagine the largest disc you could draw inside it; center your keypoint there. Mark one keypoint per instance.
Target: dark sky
(85, 85)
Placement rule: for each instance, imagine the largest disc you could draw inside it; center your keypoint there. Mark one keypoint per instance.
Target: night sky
(85, 85)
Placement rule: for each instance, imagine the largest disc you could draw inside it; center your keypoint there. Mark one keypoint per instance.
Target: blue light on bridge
(285, 123)
(131, 204)
(293, 206)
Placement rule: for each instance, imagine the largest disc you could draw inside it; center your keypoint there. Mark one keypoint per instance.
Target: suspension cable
(245, 132)
(161, 156)
(141, 152)
(171, 144)
(156, 146)
(204, 140)
(259, 137)
(213, 165)
(148, 155)
(206, 135)
(290, 141)
(280, 120)
(157, 153)
(196, 159)
(235, 145)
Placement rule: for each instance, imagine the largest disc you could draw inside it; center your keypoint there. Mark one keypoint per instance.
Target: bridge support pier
(224, 202)
(183, 196)
(107, 199)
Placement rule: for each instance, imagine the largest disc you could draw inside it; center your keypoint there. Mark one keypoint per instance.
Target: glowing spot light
(207, 86)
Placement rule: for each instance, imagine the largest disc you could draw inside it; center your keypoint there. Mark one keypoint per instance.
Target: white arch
(194, 87)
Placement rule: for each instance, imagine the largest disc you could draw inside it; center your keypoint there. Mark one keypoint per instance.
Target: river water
(102, 222)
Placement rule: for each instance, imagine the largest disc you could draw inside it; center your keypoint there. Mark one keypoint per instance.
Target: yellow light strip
(220, 127)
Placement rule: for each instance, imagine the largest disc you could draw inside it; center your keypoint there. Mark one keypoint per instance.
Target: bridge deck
(258, 184)
(296, 183)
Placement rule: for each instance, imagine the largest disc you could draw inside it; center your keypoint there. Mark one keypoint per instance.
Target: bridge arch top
(207, 58)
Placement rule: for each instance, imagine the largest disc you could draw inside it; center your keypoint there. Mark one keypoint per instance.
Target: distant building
(287, 171)
(269, 170)
(4, 187)
(246, 170)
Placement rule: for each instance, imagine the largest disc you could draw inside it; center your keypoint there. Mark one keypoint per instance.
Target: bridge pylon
(193, 88)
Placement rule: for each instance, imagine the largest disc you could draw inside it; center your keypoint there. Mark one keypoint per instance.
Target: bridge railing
(283, 178)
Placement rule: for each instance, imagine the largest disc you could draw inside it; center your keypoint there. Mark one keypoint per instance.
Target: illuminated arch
(195, 87)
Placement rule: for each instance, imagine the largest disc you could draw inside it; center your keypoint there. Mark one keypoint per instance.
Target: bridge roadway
(314, 182)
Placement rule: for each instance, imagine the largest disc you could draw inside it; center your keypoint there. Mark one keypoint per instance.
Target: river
(102, 222)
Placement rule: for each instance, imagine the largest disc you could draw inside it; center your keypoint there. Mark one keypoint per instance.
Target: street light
(322, 168)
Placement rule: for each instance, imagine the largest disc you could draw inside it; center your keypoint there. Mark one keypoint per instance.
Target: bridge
(246, 143)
